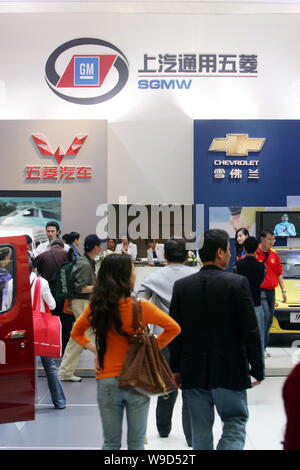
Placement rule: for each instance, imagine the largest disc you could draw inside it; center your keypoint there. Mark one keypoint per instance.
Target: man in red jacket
(273, 277)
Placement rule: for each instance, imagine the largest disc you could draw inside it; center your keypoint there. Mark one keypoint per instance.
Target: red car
(17, 371)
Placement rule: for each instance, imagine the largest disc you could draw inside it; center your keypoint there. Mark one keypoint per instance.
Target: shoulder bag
(145, 369)
(46, 327)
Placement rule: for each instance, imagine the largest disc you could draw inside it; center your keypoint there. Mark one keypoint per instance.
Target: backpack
(63, 285)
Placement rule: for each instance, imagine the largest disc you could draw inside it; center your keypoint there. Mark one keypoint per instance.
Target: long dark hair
(113, 282)
(239, 248)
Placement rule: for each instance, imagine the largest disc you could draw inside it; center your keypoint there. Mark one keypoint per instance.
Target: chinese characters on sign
(236, 173)
(37, 172)
(237, 64)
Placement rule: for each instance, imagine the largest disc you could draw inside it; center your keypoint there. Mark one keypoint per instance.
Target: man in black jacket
(255, 272)
(219, 348)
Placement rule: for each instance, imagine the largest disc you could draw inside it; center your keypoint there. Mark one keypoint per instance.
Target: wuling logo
(106, 73)
(59, 154)
(58, 172)
(237, 145)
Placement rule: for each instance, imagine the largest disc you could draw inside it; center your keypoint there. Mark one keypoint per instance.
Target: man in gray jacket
(158, 287)
(84, 276)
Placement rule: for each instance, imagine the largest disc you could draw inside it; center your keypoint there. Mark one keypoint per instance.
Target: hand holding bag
(145, 369)
(46, 327)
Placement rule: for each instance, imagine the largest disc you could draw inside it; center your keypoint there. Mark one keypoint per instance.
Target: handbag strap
(266, 256)
(37, 295)
(137, 323)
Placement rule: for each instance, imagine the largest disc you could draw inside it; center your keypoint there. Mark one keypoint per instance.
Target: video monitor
(283, 223)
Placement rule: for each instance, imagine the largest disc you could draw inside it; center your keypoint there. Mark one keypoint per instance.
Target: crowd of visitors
(212, 326)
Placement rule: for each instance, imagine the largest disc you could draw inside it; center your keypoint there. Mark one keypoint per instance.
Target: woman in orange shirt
(110, 316)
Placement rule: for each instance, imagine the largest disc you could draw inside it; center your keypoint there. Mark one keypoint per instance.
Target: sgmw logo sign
(86, 71)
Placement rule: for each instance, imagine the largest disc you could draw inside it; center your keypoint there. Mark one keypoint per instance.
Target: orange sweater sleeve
(150, 314)
(153, 314)
(81, 325)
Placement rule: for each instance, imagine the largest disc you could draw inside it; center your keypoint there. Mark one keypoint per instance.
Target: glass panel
(6, 278)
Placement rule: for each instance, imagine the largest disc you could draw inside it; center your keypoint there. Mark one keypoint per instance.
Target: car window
(49, 215)
(31, 213)
(7, 277)
(290, 261)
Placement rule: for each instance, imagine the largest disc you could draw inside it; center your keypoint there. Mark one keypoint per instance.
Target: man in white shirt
(127, 248)
(52, 231)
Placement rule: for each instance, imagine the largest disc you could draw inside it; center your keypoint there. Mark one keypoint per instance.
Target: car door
(17, 376)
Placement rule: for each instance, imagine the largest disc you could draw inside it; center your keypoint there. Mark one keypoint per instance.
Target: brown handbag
(145, 369)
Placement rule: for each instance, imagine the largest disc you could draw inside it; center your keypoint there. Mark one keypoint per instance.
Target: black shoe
(59, 407)
(163, 435)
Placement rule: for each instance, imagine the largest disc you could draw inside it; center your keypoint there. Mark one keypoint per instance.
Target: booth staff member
(155, 252)
(127, 247)
(52, 231)
(273, 277)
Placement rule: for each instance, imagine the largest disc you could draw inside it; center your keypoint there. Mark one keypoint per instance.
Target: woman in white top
(49, 364)
(127, 248)
(155, 252)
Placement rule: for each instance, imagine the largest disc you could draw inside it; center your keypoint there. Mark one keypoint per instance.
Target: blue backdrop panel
(279, 164)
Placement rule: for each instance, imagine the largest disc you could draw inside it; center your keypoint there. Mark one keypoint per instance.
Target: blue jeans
(112, 402)
(259, 312)
(268, 305)
(56, 390)
(232, 408)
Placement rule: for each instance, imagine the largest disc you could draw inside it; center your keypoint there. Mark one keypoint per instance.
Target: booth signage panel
(69, 156)
(275, 162)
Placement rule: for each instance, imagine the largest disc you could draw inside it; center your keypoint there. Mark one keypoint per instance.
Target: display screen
(283, 223)
(290, 261)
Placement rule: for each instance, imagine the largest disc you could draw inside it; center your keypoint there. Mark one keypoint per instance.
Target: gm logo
(105, 70)
(87, 71)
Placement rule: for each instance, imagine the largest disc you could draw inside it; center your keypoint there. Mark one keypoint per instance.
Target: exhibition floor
(78, 426)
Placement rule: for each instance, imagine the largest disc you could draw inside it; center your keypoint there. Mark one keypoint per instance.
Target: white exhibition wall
(150, 131)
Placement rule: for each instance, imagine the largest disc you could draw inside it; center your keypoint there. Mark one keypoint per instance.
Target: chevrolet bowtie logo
(237, 144)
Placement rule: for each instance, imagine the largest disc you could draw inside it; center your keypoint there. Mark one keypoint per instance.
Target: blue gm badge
(87, 71)
(109, 67)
